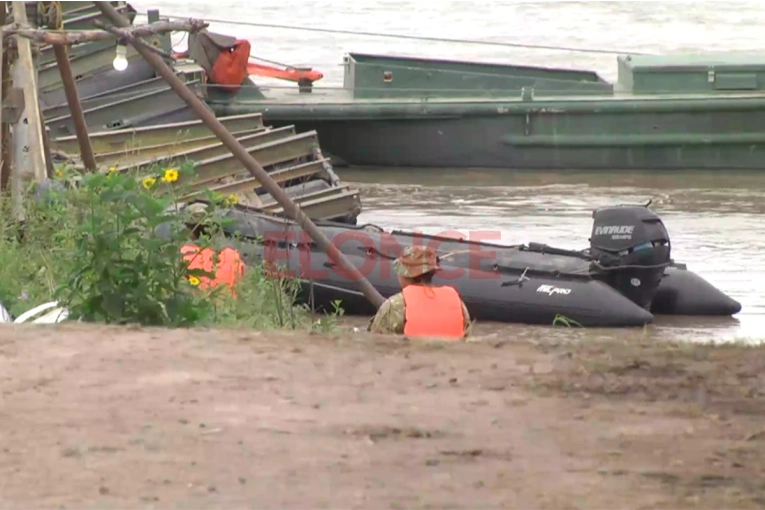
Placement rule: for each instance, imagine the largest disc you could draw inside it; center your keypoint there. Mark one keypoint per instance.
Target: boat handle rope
(523, 276)
(333, 287)
(629, 266)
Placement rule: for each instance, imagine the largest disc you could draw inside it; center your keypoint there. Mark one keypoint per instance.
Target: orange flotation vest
(433, 312)
(230, 68)
(228, 271)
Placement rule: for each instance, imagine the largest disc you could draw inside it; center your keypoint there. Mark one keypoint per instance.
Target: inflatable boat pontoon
(623, 279)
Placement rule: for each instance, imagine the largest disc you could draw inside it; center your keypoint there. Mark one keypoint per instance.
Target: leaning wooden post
(27, 68)
(3, 71)
(72, 98)
(257, 171)
(5, 127)
(49, 168)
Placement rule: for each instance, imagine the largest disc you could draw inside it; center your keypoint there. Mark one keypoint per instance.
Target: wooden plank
(32, 104)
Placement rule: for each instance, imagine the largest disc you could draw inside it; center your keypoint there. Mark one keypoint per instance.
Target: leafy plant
(108, 247)
(128, 244)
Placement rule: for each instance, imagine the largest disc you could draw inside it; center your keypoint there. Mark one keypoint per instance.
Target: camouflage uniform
(414, 261)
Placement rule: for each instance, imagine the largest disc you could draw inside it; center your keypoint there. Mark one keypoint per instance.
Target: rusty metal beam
(257, 171)
(70, 89)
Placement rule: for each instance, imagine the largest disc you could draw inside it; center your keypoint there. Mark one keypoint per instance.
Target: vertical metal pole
(72, 98)
(257, 171)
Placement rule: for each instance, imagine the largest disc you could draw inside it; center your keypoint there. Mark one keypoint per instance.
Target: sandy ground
(96, 417)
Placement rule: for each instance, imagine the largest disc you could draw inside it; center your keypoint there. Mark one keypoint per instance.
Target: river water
(714, 220)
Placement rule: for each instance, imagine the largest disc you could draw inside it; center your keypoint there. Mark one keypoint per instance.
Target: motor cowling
(630, 248)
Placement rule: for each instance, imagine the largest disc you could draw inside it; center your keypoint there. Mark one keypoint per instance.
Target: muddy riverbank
(142, 418)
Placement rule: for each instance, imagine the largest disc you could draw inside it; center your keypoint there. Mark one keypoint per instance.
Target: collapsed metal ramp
(136, 120)
(295, 161)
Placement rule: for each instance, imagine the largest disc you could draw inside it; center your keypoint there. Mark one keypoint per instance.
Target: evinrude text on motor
(630, 250)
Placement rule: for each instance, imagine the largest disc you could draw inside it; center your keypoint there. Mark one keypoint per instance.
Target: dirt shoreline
(141, 418)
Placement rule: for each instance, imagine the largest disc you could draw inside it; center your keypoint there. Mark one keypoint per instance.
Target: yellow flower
(59, 172)
(171, 175)
(112, 169)
(231, 200)
(148, 182)
(193, 280)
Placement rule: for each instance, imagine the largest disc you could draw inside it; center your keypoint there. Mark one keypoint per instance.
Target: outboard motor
(630, 250)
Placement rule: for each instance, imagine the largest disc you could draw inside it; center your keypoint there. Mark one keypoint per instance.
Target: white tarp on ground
(54, 315)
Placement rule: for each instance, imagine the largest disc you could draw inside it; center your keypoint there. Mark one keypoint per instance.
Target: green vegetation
(107, 246)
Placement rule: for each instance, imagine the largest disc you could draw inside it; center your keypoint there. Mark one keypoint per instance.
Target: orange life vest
(230, 68)
(433, 312)
(227, 272)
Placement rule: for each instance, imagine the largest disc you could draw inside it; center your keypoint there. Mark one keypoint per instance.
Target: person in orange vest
(228, 269)
(422, 309)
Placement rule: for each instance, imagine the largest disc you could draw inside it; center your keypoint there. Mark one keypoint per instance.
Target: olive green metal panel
(388, 77)
(286, 174)
(431, 64)
(216, 149)
(121, 113)
(324, 204)
(132, 138)
(84, 64)
(691, 74)
(139, 154)
(81, 16)
(103, 98)
(282, 151)
(76, 8)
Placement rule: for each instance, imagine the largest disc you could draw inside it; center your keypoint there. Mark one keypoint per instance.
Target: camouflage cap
(196, 211)
(416, 261)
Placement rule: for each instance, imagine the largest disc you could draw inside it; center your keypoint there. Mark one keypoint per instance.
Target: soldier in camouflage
(416, 265)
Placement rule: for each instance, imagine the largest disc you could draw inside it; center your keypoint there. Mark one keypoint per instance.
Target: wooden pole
(5, 85)
(32, 105)
(49, 169)
(72, 98)
(257, 171)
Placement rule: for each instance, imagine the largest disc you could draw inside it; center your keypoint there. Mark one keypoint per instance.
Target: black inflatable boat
(623, 279)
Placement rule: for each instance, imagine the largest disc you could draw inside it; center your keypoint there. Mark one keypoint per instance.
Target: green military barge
(700, 112)
(664, 112)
